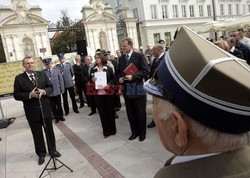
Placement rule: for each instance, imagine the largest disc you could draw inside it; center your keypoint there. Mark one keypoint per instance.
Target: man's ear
(181, 130)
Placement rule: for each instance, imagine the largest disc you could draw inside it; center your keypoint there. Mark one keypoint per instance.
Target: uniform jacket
(235, 164)
(133, 87)
(67, 73)
(56, 79)
(22, 88)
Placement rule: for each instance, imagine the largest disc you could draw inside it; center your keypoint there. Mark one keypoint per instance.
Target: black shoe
(132, 137)
(82, 105)
(142, 137)
(66, 113)
(56, 154)
(41, 160)
(62, 119)
(76, 111)
(152, 124)
(116, 116)
(56, 121)
(91, 113)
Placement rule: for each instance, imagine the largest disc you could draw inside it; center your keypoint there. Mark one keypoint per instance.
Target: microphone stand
(52, 157)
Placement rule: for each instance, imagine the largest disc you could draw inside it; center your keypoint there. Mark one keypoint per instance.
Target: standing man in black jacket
(135, 98)
(79, 81)
(159, 55)
(28, 88)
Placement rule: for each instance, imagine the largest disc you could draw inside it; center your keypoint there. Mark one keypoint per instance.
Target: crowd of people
(204, 128)
(236, 44)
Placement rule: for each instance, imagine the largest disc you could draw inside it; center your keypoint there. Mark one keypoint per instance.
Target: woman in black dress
(105, 97)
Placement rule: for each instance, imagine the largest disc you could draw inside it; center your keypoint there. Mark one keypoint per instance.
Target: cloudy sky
(51, 8)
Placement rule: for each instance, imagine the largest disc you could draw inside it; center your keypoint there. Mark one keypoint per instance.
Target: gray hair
(207, 135)
(158, 47)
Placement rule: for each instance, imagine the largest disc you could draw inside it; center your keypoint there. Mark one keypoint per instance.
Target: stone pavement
(83, 148)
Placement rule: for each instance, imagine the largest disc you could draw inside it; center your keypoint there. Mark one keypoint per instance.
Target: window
(120, 17)
(153, 9)
(229, 9)
(244, 8)
(135, 13)
(191, 11)
(237, 9)
(209, 12)
(175, 11)
(167, 37)
(222, 9)
(248, 8)
(201, 11)
(183, 11)
(156, 37)
(164, 9)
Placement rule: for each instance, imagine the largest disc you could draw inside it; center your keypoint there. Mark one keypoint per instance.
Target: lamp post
(214, 17)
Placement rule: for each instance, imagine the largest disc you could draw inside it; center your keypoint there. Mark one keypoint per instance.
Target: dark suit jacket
(245, 50)
(22, 88)
(78, 72)
(133, 88)
(235, 164)
(155, 65)
(238, 53)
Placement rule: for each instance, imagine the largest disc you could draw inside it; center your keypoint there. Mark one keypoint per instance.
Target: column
(17, 48)
(38, 43)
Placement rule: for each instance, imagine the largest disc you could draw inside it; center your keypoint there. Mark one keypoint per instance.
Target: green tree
(65, 42)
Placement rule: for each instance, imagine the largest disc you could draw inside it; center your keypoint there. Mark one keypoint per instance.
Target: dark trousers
(92, 102)
(80, 89)
(136, 112)
(56, 106)
(65, 99)
(37, 133)
(106, 109)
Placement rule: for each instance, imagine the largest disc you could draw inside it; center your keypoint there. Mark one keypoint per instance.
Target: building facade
(159, 19)
(23, 31)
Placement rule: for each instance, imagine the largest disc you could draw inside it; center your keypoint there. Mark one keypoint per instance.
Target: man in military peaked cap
(202, 110)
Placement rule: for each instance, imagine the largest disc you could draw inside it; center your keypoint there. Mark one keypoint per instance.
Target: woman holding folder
(103, 77)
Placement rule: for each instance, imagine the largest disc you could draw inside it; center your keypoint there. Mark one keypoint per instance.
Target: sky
(51, 8)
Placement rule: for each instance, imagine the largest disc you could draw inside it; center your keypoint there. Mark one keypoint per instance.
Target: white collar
(104, 67)
(129, 54)
(182, 159)
(161, 55)
(28, 74)
(232, 49)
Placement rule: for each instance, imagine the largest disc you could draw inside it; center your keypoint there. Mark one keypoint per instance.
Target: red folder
(131, 69)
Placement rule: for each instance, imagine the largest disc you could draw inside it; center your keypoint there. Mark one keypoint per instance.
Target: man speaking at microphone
(28, 88)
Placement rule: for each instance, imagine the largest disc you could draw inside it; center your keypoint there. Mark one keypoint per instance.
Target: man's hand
(121, 80)
(128, 78)
(41, 92)
(94, 79)
(36, 92)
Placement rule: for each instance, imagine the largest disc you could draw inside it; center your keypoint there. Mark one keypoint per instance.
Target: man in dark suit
(236, 52)
(79, 82)
(239, 45)
(159, 55)
(67, 73)
(56, 80)
(28, 88)
(86, 75)
(135, 98)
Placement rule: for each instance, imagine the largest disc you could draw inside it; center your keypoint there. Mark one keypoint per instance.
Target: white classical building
(158, 19)
(23, 31)
(101, 27)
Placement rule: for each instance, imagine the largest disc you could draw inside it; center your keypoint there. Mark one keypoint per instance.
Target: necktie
(127, 59)
(33, 80)
(62, 65)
